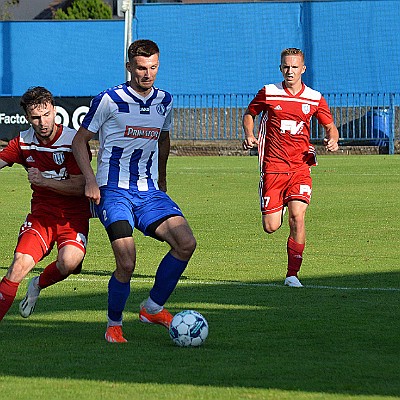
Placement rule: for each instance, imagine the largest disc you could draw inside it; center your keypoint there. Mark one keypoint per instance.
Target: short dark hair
(142, 47)
(35, 96)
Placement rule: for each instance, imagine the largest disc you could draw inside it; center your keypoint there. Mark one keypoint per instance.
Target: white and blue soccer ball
(188, 329)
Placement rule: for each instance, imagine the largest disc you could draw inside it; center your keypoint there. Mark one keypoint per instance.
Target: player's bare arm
(74, 185)
(331, 137)
(250, 140)
(79, 148)
(164, 145)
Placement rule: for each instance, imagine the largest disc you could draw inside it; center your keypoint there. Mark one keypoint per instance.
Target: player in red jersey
(285, 151)
(59, 210)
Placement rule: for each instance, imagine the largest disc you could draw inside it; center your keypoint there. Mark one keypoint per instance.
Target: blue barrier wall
(351, 46)
(235, 48)
(70, 58)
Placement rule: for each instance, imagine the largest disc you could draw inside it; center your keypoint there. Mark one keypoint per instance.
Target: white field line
(244, 284)
(237, 283)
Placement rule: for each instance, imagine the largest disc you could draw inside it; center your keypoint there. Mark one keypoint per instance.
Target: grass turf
(337, 338)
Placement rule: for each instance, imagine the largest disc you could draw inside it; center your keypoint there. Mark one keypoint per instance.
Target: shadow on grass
(98, 272)
(311, 339)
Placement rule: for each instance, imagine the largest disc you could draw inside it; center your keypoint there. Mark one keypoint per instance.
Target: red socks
(295, 257)
(8, 291)
(50, 276)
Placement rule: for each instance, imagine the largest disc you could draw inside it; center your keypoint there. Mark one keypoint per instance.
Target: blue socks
(118, 293)
(168, 273)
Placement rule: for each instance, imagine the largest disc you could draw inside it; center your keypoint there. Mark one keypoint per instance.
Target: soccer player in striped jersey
(59, 209)
(133, 121)
(285, 152)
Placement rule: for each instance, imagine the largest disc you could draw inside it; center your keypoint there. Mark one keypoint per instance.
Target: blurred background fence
(362, 118)
(371, 119)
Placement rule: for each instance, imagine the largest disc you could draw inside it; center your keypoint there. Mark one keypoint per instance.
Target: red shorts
(276, 190)
(38, 235)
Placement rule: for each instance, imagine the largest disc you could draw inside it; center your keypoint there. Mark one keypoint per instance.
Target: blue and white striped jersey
(129, 127)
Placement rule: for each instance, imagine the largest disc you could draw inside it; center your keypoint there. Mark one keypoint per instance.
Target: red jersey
(284, 132)
(54, 160)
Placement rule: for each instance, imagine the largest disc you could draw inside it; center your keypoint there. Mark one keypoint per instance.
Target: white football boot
(27, 305)
(293, 281)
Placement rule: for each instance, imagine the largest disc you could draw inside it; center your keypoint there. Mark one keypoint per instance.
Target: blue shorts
(140, 209)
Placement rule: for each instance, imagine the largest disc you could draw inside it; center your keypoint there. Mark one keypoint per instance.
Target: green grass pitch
(336, 338)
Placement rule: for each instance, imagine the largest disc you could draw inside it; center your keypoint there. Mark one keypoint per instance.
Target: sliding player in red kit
(59, 210)
(285, 152)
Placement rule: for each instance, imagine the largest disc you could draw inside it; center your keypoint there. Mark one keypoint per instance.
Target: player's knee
(125, 257)
(125, 265)
(269, 230)
(190, 245)
(78, 269)
(124, 269)
(272, 222)
(69, 266)
(20, 267)
(186, 247)
(271, 227)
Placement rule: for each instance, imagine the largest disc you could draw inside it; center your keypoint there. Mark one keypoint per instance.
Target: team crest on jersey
(305, 108)
(58, 157)
(161, 109)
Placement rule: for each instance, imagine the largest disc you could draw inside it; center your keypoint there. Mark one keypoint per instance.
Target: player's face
(143, 72)
(292, 67)
(42, 119)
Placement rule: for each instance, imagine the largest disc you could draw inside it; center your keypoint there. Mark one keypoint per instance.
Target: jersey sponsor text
(142, 132)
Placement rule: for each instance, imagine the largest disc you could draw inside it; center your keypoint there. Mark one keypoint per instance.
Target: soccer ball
(188, 329)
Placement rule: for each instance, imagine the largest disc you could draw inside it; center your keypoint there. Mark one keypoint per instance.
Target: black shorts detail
(119, 230)
(151, 229)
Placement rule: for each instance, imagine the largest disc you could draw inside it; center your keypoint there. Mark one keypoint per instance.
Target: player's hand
(331, 144)
(92, 191)
(35, 177)
(250, 142)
